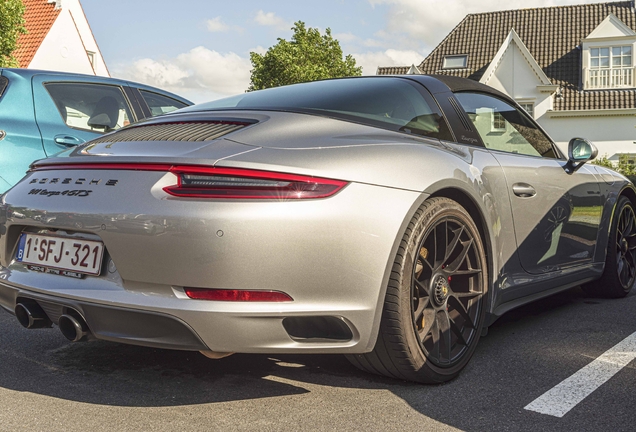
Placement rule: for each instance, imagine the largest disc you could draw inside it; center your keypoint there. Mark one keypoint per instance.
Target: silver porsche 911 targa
(391, 219)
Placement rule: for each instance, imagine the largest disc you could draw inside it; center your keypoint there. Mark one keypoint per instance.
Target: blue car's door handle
(523, 190)
(68, 140)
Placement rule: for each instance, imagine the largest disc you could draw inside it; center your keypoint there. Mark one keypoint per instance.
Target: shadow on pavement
(526, 352)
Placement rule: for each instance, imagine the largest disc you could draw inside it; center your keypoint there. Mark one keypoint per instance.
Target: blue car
(43, 113)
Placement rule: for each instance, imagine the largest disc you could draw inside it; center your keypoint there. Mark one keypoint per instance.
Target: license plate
(64, 253)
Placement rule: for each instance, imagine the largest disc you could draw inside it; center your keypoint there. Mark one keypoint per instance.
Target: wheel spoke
(453, 244)
(435, 352)
(458, 333)
(461, 309)
(452, 267)
(443, 321)
(425, 261)
(435, 248)
(621, 272)
(422, 303)
(428, 320)
(631, 267)
(630, 222)
(466, 272)
(423, 288)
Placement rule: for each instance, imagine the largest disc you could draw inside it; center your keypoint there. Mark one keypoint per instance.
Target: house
(570, 67)
(59, 38)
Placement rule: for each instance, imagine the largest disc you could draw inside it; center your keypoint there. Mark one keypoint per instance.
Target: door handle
(68, 140)
(523, 190)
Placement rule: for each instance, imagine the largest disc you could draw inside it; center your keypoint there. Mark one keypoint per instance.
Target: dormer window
(608, 56)
(611, 67)
(455, 62)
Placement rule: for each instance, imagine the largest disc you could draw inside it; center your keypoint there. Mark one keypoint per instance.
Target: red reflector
(237, 295)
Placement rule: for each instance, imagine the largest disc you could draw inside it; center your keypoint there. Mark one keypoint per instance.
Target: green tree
(604, 162)
(309, 56)
(625, 165)
(11, 27)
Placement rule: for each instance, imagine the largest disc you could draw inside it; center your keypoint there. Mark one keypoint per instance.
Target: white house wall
(516, 78)
(64, 47)
(610, 134)
(75, 8)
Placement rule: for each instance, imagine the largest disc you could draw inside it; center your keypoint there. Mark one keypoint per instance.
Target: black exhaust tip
(31, 316)
(73, 328)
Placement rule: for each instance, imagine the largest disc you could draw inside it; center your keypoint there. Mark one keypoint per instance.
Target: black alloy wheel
(435, 301)
(625, 247)
(447, 291)
(619, 275)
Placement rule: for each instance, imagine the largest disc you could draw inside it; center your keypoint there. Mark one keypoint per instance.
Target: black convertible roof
(456, 84)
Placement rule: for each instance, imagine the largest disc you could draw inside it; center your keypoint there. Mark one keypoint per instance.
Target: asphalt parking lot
(47, 383)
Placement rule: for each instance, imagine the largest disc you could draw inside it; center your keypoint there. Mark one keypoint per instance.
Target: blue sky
(200, 49)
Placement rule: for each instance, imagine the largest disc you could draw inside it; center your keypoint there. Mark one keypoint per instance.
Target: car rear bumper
(201, 325)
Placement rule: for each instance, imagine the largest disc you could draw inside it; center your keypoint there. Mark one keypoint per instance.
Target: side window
(93, 107)
(160, 104)
(505, 128)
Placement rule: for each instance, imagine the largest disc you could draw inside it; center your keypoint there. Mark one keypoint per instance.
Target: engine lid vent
(195, 131)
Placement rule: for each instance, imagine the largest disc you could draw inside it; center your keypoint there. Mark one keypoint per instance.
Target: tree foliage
(308, 56)
(625, 165)
(11, 27)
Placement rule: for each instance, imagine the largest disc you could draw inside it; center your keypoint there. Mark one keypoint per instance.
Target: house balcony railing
(609, 78)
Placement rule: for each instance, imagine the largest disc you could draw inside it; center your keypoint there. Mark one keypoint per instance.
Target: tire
(435, 300)
(619, 274)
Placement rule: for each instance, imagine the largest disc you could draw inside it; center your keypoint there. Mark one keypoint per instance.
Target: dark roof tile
(551, 34)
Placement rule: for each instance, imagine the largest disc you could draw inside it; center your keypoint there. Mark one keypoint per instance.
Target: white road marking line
(568, 393)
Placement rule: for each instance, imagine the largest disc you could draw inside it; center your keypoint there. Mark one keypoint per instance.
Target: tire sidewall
(611, 264)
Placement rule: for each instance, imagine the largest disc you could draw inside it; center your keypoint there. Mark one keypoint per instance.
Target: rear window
(160, 104)
(93, 107)
(391, 103)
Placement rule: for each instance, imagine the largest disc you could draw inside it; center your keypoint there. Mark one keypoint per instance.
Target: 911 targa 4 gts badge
(76, 192)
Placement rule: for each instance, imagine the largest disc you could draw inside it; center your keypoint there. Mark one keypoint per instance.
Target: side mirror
(580, 151)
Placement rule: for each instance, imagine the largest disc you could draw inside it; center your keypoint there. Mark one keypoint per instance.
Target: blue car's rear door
(20, 140)
(70, 110)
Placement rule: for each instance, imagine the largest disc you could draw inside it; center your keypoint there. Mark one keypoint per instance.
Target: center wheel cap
(441, 290)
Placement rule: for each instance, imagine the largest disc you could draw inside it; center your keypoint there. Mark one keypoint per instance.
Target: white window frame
(91, 57)
(458, 56)
(609, 76)
(497, 117)
(525, 102)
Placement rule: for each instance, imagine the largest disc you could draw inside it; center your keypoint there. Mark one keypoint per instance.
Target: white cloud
(424, 23)
(372, 59)
(217, 25)
(200, 74)
(259, 50)
(270, 19)
(352, 40)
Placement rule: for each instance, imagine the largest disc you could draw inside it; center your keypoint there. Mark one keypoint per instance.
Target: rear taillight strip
(224, 183)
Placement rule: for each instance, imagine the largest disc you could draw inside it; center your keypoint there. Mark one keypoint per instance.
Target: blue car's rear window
(391, 103)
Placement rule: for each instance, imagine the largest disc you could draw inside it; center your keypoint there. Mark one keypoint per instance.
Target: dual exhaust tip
(31, 316)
